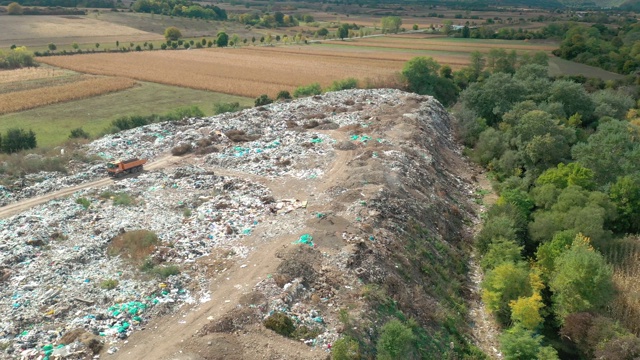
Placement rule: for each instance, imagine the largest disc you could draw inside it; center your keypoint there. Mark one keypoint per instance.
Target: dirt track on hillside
(23, 205)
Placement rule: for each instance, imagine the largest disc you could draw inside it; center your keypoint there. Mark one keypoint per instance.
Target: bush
(283, 95)
(184, 113)
(396, 341)
(78, 133)
(348, 83)
(280, 323)
(15, 140)
(109, 284)
(312, 89)
(181, 149)
(17, 57)
(123, 199)
(166, 271)
(136, 245)
(221, 108)
(345, 348)
(163, 46)
(172, 33)
(263, 100)
(84, 202)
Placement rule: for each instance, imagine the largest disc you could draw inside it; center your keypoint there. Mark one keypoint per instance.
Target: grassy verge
(53, 123)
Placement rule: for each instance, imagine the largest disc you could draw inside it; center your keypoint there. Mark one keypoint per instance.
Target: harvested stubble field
(32, 98)
(443, 43)
(33, 30)
(248, 71)
(31, 73)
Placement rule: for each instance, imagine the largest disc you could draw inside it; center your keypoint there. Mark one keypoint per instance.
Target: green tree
(235, 39)
(97, 45)
(415, 27)
(15, 140)
(612, 151)
(503, 284)
(52, 46)
(518, 343)
(564, 175)
(501, 251)
(172, 33)
(573, 97)
(582, 280)
(395, 341)
(422, 78)
(343, 31)
(493, 97)
(391, 24)
(75, 46)
(447, 27)
(625, 195)
(466, 32)
(222, 40)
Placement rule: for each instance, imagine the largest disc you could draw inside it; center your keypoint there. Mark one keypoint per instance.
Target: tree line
(184, 8)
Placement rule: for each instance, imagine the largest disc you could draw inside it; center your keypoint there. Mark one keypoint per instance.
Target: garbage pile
(59, 271)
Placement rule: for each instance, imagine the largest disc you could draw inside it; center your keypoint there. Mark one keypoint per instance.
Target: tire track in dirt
(20, 206)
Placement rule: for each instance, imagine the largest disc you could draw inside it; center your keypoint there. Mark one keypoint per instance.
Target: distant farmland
(248, 71)
(255, 70)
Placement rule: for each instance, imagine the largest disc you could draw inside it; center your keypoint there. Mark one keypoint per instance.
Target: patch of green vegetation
(54, 123)
(84, 202)
(119, 198)
(166, 270)
(280, 323)
(108, 284)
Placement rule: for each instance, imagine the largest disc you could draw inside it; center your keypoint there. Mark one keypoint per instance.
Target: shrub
(137, 244)
(283, 95)
(172, 33)
(84, 202)
(123, 199)
(345, 84)
(109, 284)
(345, 348)
(396, 341)
(184, 112)
(312, 89)
(166, 271)
(181, 149)
(280, 323)
(221, 108)
(163, 46)
(138, 48)
(263, 100)
(78, 133)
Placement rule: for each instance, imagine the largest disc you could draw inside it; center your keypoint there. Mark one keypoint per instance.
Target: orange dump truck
(121, 168)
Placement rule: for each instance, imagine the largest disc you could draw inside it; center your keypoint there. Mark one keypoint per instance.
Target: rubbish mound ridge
(367, 160)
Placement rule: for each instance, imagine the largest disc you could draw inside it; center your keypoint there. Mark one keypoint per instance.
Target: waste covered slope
(285, 228)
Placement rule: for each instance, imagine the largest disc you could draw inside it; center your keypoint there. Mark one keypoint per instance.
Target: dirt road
(23, 205)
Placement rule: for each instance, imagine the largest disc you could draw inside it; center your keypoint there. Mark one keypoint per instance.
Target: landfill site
(296, 208)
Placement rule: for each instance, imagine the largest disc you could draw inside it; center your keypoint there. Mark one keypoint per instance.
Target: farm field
(42, 29)
(53, 123)
(247, 71)
(57, 93)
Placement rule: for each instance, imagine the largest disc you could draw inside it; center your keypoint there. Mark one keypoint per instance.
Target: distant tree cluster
(612, 49)
(268, 20)
(17, 57)
(66, 3)
(15, 140)
(184, 8)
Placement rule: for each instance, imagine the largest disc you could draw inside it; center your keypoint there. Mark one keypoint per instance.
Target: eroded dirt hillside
(340, 211)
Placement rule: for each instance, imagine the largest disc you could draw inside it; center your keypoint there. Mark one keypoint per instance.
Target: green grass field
(52, 124)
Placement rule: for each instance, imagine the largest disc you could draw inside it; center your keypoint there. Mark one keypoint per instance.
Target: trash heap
(58, 272)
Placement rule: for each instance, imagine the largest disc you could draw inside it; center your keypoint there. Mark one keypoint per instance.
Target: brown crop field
(32, 98)
(249, 71)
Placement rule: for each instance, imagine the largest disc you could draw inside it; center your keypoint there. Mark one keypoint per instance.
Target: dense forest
(565, 158)
(179, 8)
